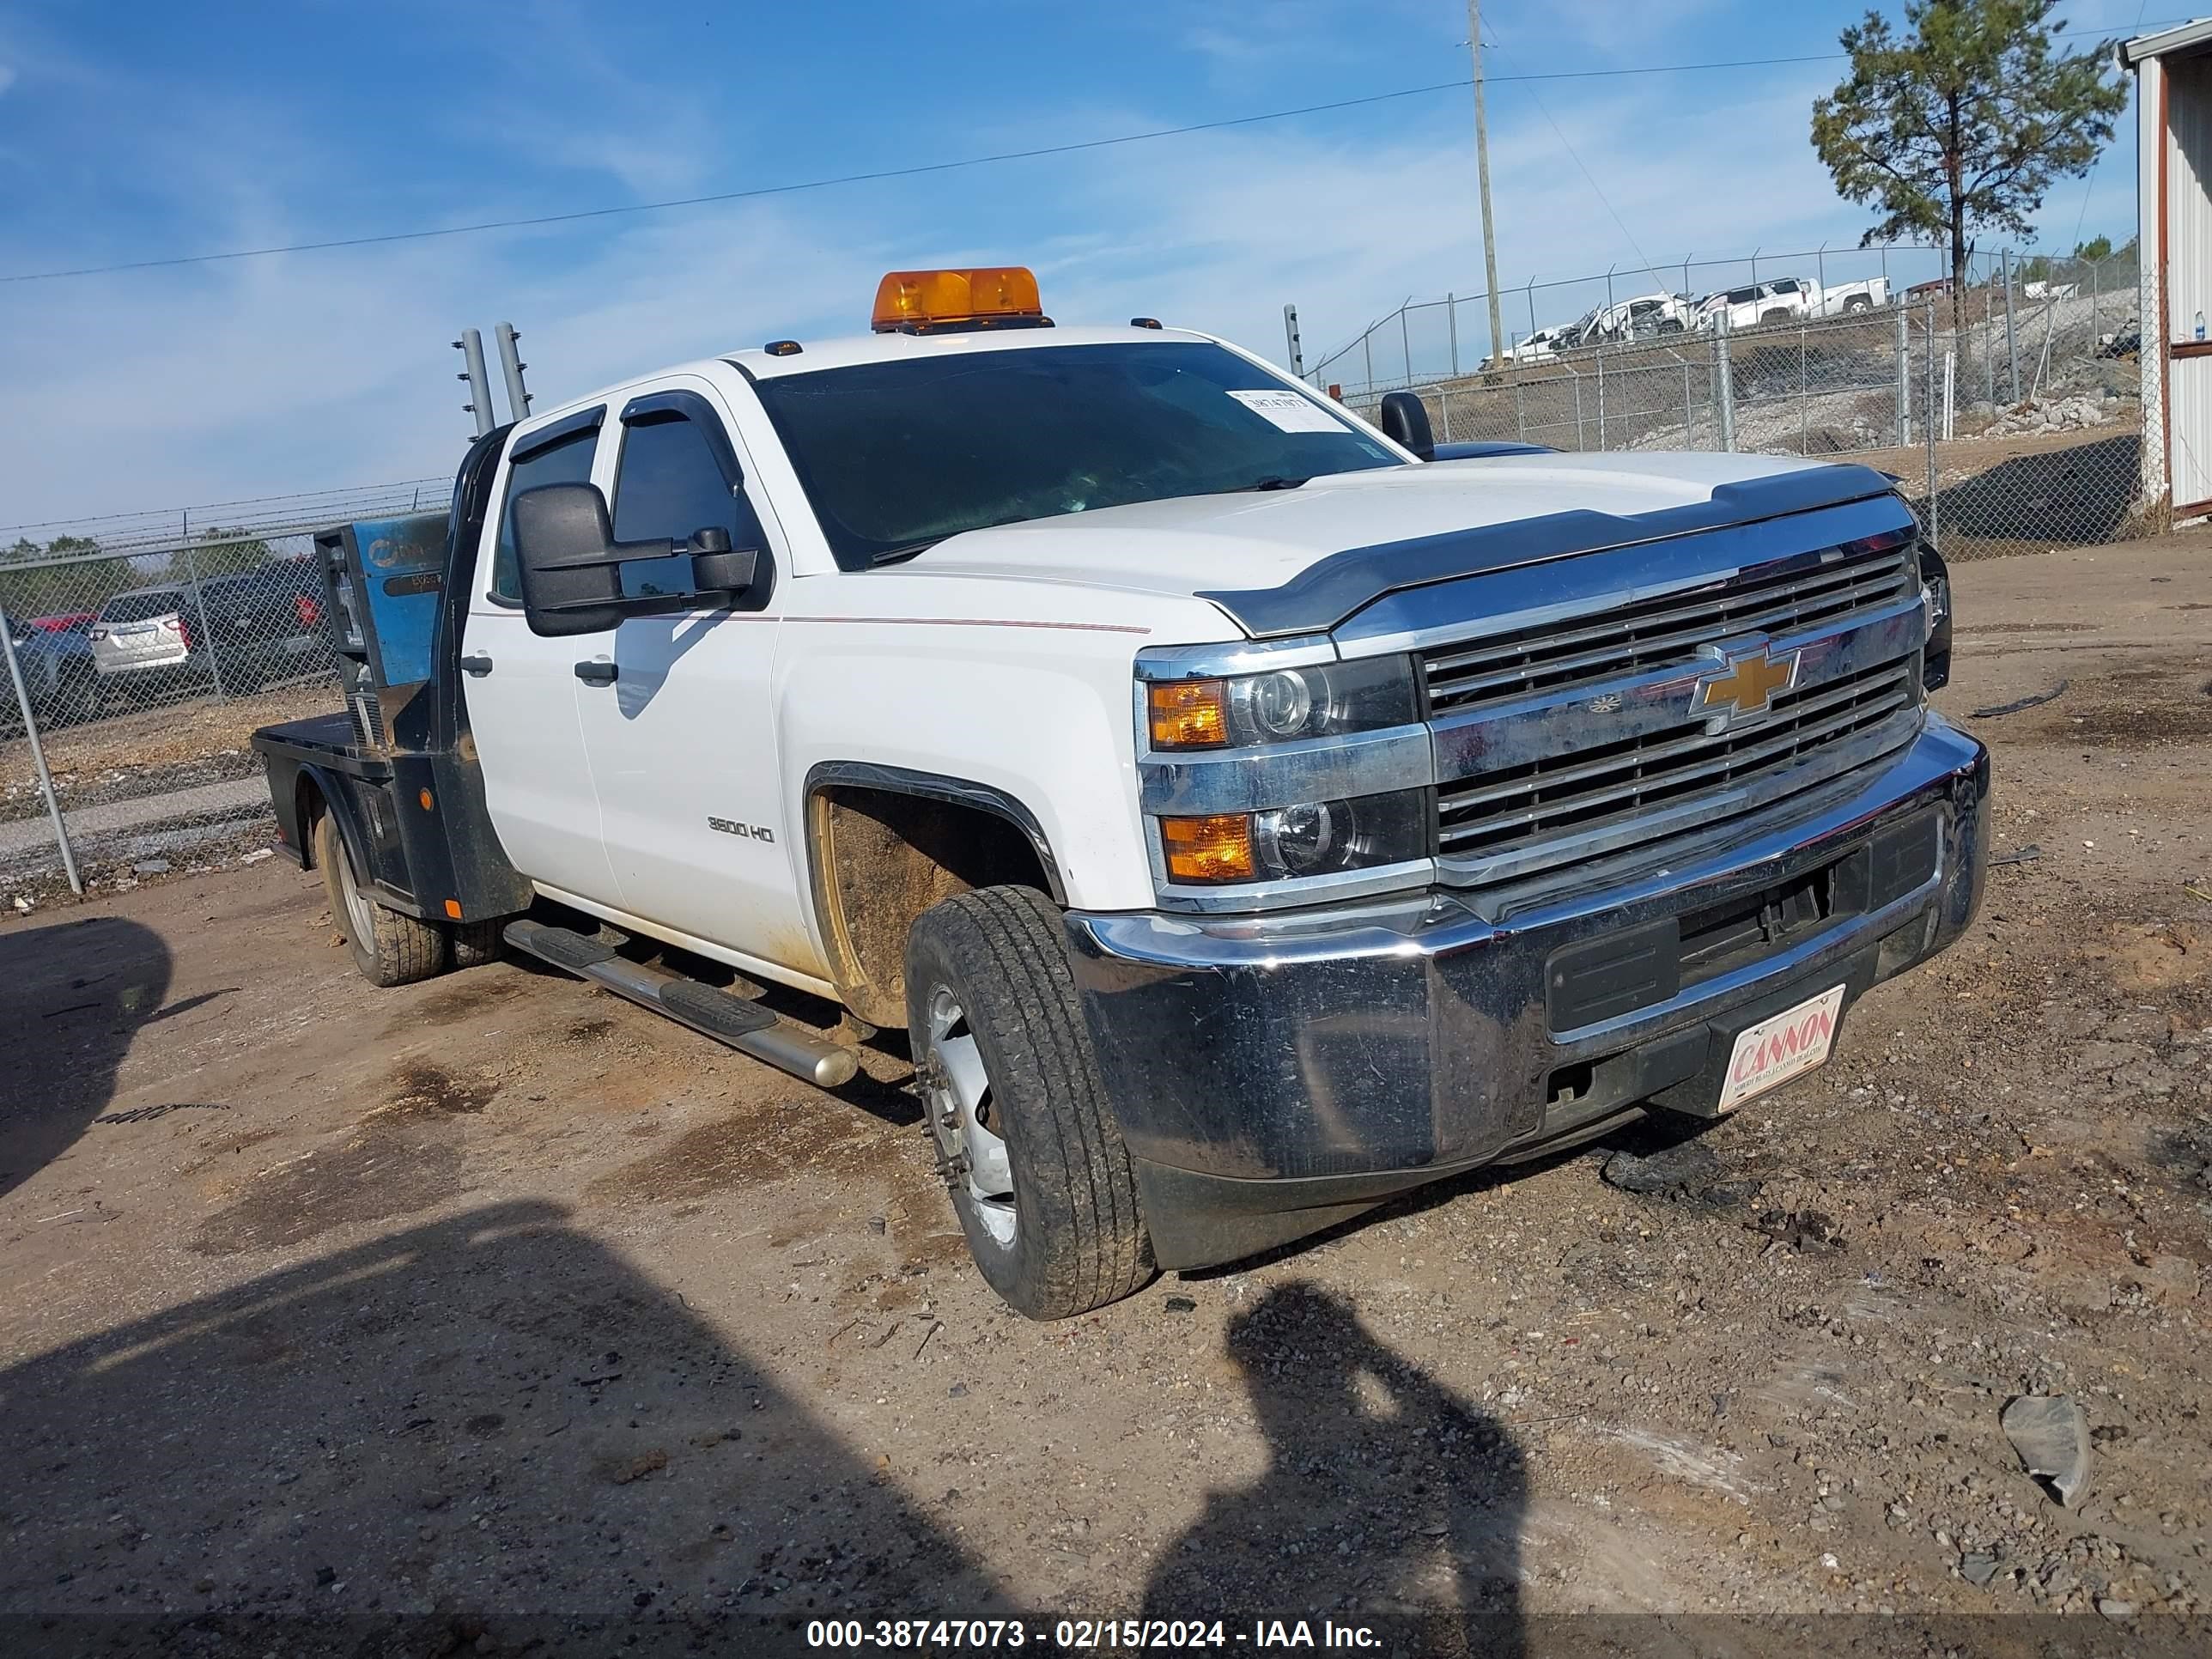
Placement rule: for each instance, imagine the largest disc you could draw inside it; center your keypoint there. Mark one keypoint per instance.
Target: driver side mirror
(571, 565)
(1406, 422)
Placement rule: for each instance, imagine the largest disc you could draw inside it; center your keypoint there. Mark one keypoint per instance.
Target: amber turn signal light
(1187, 713)
(1214, 848)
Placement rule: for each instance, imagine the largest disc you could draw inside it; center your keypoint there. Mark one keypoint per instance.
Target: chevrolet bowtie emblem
(1749, 684)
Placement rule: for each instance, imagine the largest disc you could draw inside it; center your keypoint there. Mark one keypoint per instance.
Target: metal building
(2173, 186)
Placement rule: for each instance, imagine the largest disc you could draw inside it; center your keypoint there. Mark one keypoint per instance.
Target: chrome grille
(1566, 799)
(1789, 596)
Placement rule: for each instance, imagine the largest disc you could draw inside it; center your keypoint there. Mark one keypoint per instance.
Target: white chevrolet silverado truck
(1248, 813)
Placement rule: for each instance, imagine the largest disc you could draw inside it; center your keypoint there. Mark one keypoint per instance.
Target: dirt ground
(495, 1312)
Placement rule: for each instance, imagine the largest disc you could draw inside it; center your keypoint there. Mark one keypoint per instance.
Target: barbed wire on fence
(157, 528)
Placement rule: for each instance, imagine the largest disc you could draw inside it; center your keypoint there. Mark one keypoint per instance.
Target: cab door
(678, 719)
(522, 691)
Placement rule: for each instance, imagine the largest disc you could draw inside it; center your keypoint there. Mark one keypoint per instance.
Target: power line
(1544, 109)
(881, 175)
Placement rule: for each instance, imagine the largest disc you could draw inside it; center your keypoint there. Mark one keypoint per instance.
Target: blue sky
(133, 131)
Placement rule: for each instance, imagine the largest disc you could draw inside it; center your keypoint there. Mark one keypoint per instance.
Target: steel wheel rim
(356, 902)
(962, 1111)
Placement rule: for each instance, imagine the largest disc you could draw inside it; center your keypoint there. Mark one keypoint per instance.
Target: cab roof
(949, 342)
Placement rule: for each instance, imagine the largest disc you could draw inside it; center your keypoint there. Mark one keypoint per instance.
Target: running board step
(746, 1026)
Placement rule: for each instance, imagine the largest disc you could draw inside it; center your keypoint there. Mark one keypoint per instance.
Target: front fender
(1042, 726)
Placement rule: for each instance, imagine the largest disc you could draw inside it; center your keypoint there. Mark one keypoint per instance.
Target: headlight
(1281, 705)
(1317, 838)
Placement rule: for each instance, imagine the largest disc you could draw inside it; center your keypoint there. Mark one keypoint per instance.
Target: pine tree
(1960, 124)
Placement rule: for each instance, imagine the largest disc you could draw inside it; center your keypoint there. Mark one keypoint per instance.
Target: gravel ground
(494, 1312)
(153, 752)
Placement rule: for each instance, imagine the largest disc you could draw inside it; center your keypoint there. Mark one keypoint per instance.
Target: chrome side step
(746, 1026)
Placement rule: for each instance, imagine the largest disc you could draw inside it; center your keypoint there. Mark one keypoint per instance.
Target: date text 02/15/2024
(926, 1636)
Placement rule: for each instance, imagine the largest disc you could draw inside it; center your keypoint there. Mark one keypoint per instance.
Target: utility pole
(1290, 339)
(518, 397)
(1482, 180)
(470, 346)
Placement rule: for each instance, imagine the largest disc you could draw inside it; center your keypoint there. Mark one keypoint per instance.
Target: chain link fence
(148, 652)
(114, 615)
(2016, 426)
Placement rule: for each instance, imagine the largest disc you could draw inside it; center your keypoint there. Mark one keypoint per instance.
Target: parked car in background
(1643, 318)
(265, 625)
(1776, 302)
(142, 641)
(1838, 298)
(55, 654)
(1542, 347)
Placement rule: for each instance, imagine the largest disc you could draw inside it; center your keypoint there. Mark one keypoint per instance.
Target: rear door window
(567, 460)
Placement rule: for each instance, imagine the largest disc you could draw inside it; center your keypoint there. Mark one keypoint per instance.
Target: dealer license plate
(1771, 1052)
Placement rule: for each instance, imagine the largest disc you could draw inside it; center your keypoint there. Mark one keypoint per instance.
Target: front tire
(389, 949)
(1018, 1111)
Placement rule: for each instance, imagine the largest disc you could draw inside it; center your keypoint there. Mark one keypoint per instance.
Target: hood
(1275, 561)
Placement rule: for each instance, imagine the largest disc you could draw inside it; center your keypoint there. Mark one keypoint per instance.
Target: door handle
(598, 673)
(478, 665)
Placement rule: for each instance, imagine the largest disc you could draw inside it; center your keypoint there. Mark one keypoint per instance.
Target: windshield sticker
(1288, 411)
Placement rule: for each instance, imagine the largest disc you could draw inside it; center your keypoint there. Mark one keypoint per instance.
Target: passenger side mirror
(1406, 422)
(571, 565)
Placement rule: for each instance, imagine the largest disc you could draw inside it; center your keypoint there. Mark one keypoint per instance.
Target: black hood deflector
(1325, 593)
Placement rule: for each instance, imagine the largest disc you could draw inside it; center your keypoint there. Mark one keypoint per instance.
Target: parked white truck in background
(1247, 816)
(1787, 299)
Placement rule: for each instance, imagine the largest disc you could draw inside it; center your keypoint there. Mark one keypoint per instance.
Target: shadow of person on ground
(1387, 1502)
(467, 1437)
(72, 996)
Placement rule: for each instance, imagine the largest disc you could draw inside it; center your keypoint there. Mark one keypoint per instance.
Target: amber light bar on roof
(987, 296)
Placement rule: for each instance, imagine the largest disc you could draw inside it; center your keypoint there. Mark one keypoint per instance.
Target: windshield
(897, 455)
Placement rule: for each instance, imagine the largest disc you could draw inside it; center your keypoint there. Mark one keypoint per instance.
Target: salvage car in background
(55, 655)
(142, 643)
(265, 625)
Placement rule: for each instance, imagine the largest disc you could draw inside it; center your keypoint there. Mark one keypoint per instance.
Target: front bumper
(1275, 1074)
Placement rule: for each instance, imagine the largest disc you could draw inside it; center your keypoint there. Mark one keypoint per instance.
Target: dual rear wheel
(389, 948)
